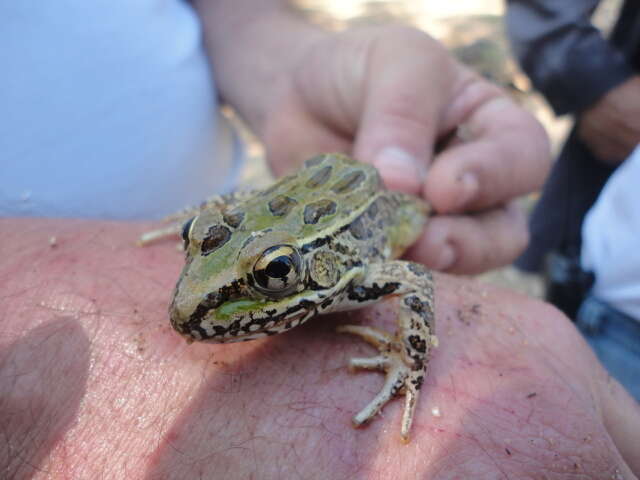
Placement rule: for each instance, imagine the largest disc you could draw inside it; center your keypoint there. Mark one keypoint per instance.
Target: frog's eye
(186, 231)
(278, 270)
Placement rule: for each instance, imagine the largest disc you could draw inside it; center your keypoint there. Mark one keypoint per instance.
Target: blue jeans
(615, 337)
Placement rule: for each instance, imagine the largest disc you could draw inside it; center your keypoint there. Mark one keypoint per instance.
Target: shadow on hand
(43, 378)
(278, 409)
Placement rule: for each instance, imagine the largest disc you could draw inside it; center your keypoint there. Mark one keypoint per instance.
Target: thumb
(402, 105)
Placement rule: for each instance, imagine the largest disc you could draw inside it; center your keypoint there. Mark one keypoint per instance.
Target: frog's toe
(379, 339)
(153, 236)
(380, 362)
(394, 383)
(401, 378)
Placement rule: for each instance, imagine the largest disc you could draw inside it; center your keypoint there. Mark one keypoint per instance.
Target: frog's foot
(403, 376)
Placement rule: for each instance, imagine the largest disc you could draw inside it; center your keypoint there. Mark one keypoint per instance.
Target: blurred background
(473, 30)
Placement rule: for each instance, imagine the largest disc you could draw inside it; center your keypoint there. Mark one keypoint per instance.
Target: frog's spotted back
(330, 189)
(329, 186)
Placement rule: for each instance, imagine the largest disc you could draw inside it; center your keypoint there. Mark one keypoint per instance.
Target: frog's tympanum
(322, 240)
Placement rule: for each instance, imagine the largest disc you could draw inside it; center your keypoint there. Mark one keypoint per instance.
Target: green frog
(324, 239)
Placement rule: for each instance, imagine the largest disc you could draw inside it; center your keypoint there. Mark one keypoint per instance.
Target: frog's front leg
(403, 356)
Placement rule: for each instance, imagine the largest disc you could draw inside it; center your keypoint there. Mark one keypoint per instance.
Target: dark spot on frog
(418, 269)
(362, 294)
(215, 238)
(417, 343)
(423, 309)
(359, 230)
(316, 210)
(233, 219)
(317, 243)
(320, 177)
(326, 303)
(372, 211)
(313, 161)
(281, 205)
(348, 182)
(414, 304)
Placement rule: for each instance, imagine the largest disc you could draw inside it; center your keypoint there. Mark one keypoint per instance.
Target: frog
(327, 238)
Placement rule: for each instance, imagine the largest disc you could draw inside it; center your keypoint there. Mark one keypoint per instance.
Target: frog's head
(240, 284)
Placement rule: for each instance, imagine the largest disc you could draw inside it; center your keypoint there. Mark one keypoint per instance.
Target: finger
(503, 152)
(294, 134)
(402, 105)
(472, 243)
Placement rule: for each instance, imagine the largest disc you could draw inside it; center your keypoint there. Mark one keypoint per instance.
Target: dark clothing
(566, 57)
(573, 66)
(556, 222)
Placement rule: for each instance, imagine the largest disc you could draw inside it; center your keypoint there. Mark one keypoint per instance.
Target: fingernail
(470, 187)
(399, 168)
(446, 259)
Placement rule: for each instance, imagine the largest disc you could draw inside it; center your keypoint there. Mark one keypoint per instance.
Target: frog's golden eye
(186, 231)
(278, 270)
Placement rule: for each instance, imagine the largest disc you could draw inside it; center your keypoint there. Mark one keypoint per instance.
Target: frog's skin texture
(322, 240)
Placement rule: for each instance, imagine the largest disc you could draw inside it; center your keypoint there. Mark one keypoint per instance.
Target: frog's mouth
(247, 319)
(229, 315)
(242, 319)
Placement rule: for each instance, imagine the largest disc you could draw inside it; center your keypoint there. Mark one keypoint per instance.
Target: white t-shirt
(107, 109)
(611, 239)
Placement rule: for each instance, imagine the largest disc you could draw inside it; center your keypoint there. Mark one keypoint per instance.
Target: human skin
(611, 127)
(96, 384)
(387, 95)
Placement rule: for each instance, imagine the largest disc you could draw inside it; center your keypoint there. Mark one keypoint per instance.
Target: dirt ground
(474, 31)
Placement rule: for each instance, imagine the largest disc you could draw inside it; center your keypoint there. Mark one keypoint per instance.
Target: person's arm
(254, 45)
(563, 53)
(94, 383)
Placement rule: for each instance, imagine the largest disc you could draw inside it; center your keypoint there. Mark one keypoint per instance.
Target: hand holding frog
(92, 373)
(388, 96)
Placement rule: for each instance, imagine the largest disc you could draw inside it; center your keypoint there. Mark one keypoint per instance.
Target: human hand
(94, 383)
(393, 97)
(611, 127)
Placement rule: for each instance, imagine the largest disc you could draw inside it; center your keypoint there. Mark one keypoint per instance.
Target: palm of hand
(518, 392)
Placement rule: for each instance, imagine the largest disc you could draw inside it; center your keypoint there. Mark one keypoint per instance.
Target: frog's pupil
(277, 270)
(279, 267)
